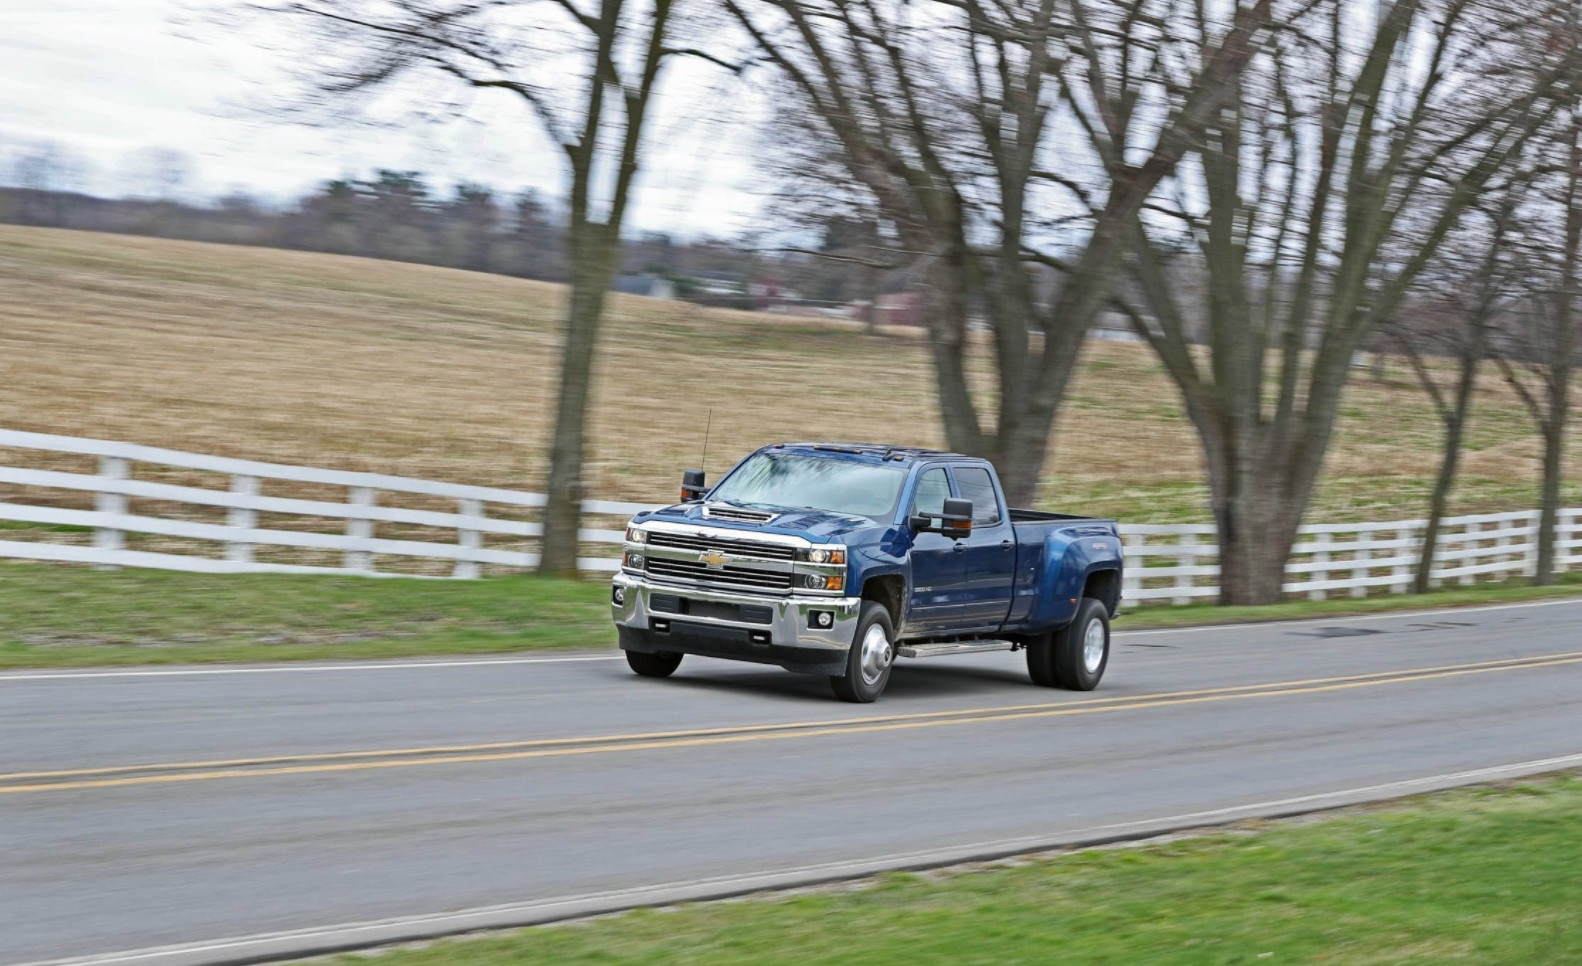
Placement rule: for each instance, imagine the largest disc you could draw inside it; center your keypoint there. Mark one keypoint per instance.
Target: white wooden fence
(115, 484)
(1171, 564)
(1177, 563)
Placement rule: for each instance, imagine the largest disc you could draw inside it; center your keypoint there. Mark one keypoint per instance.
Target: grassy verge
(1505, 592)
(63, 616)
(72, 616)
(1472, 876)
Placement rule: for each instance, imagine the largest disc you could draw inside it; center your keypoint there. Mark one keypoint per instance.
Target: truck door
(990, 553)
(939, 570)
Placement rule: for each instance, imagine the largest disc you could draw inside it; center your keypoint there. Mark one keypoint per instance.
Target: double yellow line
(17, 783)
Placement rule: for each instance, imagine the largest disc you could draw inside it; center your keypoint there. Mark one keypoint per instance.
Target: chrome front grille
(725, 545)
(745, 578)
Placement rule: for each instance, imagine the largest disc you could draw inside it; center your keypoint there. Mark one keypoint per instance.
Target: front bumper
(790, 637)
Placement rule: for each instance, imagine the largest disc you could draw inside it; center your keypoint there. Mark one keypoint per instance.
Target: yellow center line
(566, 747)
(433, 750)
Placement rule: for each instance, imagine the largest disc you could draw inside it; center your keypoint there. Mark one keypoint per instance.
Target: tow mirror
(692, 486)
(955, 522)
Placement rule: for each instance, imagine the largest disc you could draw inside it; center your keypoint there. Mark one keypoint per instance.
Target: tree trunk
(1554, 429)
(592, 263)
(1436, 507)
(1257, 529)
(1450, 461)
(1252, 570)
(1549, 510)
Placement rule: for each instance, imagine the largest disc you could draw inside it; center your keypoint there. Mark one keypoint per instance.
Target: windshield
(808, 482)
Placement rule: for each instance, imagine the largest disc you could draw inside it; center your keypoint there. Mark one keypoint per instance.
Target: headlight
(633, 561)
(817, 582)
(636, 535)
(823, 555)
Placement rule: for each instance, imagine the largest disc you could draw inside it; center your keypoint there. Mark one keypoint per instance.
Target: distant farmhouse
(646, 285)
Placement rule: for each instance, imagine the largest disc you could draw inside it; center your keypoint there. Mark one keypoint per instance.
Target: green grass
(1472, 876)
(62, 616)
(1510, 591)
(58, 616)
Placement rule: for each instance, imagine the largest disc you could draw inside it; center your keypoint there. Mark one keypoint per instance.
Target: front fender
(884, 558)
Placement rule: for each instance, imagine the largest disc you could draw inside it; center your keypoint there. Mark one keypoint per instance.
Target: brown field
(430, 372)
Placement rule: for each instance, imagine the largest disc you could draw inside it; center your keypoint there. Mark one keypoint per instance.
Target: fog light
(823, 618)
(618, 594)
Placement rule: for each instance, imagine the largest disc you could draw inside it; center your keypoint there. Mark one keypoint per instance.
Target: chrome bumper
(790, 625)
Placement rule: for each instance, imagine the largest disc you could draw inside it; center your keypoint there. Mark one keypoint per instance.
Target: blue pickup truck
(835, 559)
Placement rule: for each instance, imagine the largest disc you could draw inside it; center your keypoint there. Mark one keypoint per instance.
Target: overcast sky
(109, 80)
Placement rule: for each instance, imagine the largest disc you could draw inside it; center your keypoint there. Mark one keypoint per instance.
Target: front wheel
(660, 665)
(1075, 656)
(869, 660)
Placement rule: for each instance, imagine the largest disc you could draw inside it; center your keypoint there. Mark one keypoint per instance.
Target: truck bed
(1040, 516)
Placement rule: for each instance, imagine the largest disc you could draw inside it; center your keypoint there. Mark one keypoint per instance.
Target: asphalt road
(152, 807)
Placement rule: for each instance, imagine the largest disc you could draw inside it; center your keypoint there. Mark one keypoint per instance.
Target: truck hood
(819, 526)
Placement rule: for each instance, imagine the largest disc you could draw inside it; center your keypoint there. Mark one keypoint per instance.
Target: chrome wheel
(1093, 646)
(876, 654)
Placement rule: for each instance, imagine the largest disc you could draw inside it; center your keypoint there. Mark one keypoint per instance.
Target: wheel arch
(1104, 585)
(889, 591)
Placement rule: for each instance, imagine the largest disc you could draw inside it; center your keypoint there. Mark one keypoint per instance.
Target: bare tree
(49, 175)
(586, 71)
(981, 134)
(1326, 186)
(1538, 347)
(1470, 285)
(159, 173)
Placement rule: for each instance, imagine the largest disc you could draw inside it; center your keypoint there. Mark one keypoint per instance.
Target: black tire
(1057, 660)
(1041, 660)
(660, 665)
(856, 685)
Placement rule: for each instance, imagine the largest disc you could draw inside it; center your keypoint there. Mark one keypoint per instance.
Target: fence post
(242, 518)
(1402, 573)
(360, 560)
(1187, 558)
(109, 538)
(1565, 540)
(1472, 543)
(1132, 582)
(469, 539)
(1530, 549)
(1320, 557)
(1361, 557)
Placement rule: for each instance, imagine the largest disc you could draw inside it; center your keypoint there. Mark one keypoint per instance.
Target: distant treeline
(397, 215)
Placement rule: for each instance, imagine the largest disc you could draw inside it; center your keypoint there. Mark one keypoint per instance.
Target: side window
(933, 489)
(976, 485)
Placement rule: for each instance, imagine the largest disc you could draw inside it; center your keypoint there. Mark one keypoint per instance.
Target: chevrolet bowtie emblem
(713, 559)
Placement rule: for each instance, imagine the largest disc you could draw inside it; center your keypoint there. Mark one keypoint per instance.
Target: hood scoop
(736, 514)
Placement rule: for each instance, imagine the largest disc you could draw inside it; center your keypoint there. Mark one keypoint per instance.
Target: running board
(954, 647)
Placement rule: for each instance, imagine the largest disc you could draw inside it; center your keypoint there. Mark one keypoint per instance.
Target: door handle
(1006, 544)
(960, 547)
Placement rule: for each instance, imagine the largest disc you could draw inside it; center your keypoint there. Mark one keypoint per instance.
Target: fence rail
(1165, 563)
(115, 484)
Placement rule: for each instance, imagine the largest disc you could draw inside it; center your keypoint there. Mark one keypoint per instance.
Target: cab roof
(867, 452)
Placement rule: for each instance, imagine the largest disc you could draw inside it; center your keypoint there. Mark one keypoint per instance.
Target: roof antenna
(703, 463)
